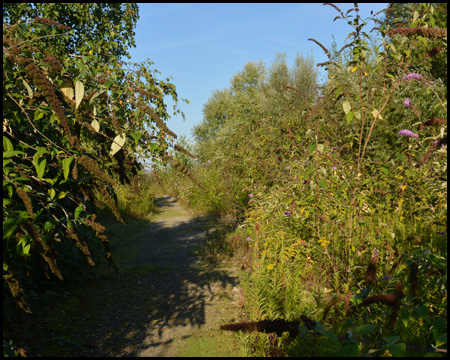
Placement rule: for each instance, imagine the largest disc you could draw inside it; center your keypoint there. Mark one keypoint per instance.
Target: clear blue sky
(201, 46)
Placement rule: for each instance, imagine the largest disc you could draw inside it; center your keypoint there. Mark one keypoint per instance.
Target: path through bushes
(167, 302)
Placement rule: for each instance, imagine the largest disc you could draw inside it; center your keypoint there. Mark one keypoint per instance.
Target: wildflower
(407, 133)
(323, 242)
(387, 354)
(375, 253)
(250, 195)
(334, 168)
(429, 83)
(412, 76)
(287, 213)
(249, 238)
(288, 167)
(407, 102)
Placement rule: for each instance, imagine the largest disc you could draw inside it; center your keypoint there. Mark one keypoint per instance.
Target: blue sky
(201, 46)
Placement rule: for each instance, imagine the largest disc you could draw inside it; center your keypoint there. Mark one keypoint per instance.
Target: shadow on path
(164, 292)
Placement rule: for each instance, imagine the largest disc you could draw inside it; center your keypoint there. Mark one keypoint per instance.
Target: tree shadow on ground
(162, 285)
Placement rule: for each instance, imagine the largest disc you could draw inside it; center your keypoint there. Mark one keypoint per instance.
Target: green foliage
(75, 120)
(319, 185)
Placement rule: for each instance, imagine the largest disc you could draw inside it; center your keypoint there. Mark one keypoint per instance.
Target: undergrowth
(339, 198)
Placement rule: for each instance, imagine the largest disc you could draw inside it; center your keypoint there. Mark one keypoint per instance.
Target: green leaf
(441, 339)
(404, 315)
(7, 144)
(153, 147)
(397, 349)
(52, 193)
(78, 211)
(332, 337)
(38, 114)
(79, 93)
(439, 327)
(61, 195)
(117, 144)
(136, 136)
(339, 91)
(323, 184)
(364, 329)
(312, 147)
(320, 148)
(40, 167)
(49, 225)
(66, 166)
(8, 154)
(384, 169)
(9, 227)
(349, 117)
(23, 246)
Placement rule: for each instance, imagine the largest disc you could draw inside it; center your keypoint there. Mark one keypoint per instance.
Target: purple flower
(429, 83)
(407, 133)
(412, 76)
(250, 195)
(287, 213)
(288, 167)
(249, 238)
(407, 102)
(334, 168)
(375, 253)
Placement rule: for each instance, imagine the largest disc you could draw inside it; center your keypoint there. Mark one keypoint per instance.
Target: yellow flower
(270, 267)
(387, 354)
(354, 69)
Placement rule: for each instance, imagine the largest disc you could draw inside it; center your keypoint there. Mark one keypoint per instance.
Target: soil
(167, 301)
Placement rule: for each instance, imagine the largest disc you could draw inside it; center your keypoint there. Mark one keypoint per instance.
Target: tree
(110, 26)
(74, 119)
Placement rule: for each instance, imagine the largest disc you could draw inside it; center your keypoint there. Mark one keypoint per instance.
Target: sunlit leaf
(79, 93)
(95, 125)
(117, 144)
(346, 106)
(66, 166)
(68, 92)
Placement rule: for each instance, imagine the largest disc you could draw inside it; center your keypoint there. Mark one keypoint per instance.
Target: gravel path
(168, 301)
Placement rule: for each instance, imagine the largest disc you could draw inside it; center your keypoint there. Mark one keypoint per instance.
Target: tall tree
(108, 26)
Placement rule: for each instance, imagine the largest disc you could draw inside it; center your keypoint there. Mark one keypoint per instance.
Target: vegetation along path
(168, 300)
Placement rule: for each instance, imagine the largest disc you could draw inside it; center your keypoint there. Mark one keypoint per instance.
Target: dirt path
(167, 302)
